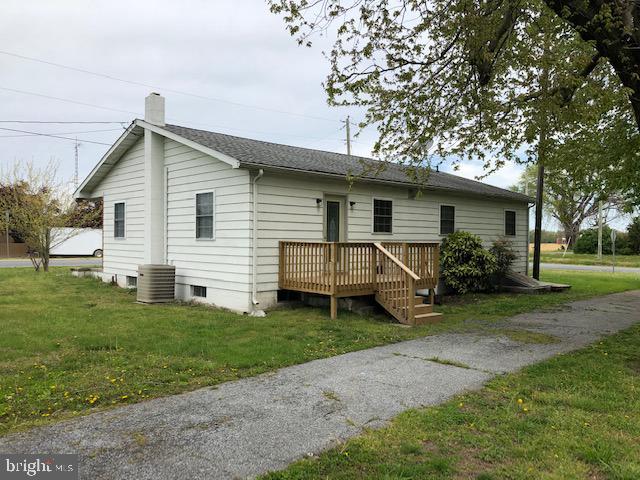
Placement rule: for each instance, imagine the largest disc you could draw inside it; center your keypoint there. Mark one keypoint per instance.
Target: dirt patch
(634, 365)
(471, 466)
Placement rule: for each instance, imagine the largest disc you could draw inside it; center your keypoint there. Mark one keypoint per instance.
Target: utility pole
(75, 176)
(348, 128)
(537, 239)
(600, 230)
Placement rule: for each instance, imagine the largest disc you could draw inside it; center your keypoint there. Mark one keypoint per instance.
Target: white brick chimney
(154, 109)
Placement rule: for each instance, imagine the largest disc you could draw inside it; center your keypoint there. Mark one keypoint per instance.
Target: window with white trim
(510, 222)
(204, 215)
(382, 215)
(447, 219)
(118, 220)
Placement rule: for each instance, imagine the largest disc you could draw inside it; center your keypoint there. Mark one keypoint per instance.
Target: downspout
(254, 246)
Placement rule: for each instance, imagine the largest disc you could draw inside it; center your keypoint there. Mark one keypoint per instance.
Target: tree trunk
(46, 250)
(571, 232)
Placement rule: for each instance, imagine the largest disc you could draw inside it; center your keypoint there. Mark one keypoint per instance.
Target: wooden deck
(393, 272)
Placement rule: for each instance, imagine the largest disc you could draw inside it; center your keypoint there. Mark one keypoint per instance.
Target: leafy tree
(572, 193)
(481, 79)
(633, 233)
(40, 208)
(466, 266)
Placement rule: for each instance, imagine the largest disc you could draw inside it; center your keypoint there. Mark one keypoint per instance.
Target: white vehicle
(76, 242)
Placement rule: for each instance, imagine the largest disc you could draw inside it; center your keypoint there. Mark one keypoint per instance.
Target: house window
(382, 215)
(509, 222)
(447, 219)
(132, 282)
(198, 291)
(118, 220)
(204, 215)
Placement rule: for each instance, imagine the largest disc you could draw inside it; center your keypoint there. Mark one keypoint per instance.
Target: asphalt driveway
(244, 428)
(54, 262)
(591, 268)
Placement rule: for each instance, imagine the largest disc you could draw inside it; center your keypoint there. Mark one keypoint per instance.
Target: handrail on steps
(395, 260)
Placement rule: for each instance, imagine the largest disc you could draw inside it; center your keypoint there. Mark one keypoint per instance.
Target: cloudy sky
(248, 77)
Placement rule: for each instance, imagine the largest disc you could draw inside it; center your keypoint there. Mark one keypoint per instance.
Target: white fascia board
(190, 143)
(78, 193)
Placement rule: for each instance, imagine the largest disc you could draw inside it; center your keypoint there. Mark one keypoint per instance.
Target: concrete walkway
(248, 427)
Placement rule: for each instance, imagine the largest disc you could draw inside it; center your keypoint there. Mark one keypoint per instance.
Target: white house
(216, 206)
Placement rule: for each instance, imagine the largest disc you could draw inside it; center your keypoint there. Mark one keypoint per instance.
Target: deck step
(422, 308)
(425, 318)
(418, 300)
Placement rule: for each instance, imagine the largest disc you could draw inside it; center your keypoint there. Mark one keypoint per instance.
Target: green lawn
(70, 346)
(576, 416)
(586, 259)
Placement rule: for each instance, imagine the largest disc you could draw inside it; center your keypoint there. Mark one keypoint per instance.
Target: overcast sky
(235, 51)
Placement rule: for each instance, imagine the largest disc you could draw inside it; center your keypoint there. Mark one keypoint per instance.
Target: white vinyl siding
(124, 183)
(222, 266)
(288, 211)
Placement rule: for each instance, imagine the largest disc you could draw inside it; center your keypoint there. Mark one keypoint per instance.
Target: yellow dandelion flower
(525, 409)
(520, 401)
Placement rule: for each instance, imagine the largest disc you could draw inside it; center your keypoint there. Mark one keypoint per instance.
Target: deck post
(334, 280)
(405, 254)
(411, 295)
(281, 263)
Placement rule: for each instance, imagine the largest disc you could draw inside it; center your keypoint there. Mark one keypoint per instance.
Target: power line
(25, 92)
(63, 122)
(65, 133)
(60, 99)
(155, 87)
(53, 136)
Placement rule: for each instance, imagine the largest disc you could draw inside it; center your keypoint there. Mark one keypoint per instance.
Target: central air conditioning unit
(156, 283)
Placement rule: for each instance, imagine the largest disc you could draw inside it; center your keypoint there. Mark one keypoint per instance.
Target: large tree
(483, 79)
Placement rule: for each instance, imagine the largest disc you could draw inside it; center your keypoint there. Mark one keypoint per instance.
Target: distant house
(219, 207)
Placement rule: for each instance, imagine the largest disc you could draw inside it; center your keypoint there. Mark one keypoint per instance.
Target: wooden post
(405, 254)
(432, 296)
(281, 263)
(411, 294)
(334, 307)
(334, 280)
(374, 266)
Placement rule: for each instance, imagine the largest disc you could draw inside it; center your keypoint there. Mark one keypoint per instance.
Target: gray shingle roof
(265, 154)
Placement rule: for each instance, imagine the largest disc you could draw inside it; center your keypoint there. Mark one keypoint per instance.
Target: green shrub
(502, 250)
(466, 266)
(633, 235)
(588, 241)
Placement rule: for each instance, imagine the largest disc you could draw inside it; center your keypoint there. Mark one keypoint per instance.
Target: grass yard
(586, 259)
(70, 346)
(575, 416)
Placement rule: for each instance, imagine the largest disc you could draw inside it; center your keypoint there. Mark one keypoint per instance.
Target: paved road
(592, 268)
(244, 428)
(54, 262)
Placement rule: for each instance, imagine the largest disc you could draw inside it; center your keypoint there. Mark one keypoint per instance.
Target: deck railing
(341, 269)
(396, 286)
